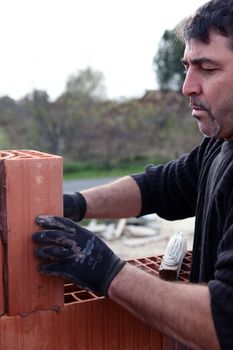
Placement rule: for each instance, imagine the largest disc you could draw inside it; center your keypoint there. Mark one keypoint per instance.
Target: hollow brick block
(97, 324)
(2, 304)
(31, 185)
(88, 322)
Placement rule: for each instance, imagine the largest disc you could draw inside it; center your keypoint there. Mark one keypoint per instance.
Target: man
(199, 314)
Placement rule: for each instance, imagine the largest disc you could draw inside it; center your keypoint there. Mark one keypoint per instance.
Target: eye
(209, 70)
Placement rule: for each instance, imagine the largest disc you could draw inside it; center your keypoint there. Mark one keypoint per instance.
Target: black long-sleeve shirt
(201, 184)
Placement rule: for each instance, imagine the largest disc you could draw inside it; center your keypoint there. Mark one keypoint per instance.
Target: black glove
(75, 206)
(78, 255)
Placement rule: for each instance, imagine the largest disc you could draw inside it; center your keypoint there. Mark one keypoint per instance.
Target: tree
(49, 123)
(87, 82)
(167, 62)
(59, 126)
(15, 123)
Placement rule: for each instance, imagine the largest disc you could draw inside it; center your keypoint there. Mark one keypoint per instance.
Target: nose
(191, 85)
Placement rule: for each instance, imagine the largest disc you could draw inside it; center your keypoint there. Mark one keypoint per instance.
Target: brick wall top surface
(74, 294)
(9, 154)
(2, 305)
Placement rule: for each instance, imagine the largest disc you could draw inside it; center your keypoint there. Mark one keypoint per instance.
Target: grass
(97, 173)
(78, 170)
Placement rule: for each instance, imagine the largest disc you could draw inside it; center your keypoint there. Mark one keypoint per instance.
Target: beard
(214, 127)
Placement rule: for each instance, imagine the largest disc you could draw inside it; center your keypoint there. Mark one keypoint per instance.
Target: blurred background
(97, 82)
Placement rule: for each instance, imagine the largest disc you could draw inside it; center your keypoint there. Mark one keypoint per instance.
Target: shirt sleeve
(221, 288)
(170, 190)
(222, 318)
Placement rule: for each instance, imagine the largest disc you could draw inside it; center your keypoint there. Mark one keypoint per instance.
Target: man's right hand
(75, 253)
(75, 206)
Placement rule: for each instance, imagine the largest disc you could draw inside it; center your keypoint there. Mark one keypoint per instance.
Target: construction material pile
(139, 237)
(133, 232)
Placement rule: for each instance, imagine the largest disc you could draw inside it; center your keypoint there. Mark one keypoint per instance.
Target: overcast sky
(44, 41)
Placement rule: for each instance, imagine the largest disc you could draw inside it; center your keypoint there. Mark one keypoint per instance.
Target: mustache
(196, 103)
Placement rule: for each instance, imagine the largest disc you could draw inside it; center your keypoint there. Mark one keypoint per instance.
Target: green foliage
(16, 122)
(167, 62)
(79, 170)
(94, 135)
(87, 82)
(100, 134)
(4, 140)
(48, 123)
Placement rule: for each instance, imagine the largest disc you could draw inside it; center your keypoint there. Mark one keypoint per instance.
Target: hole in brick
(187, 260)
(143, 260)
(69, 298)
(185, 267)
(184, 275)
(4, 154)
(153, 266)
(188, 257)
(155, 258)
(85, 295)
(70, 288)
(133, 262)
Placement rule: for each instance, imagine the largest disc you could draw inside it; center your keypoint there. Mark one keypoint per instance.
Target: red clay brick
(86, 322)
(2, 305)
(33, 186)
(98, 324)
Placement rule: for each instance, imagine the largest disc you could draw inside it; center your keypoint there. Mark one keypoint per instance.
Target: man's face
(209, 85)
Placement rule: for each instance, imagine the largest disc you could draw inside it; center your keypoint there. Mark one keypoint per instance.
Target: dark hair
(215, 15)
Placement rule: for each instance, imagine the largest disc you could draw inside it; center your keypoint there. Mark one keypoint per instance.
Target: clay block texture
(31, 185)
(2, 304)
(88, 322)
(151, 265)
(149, 339)
(98, 324)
